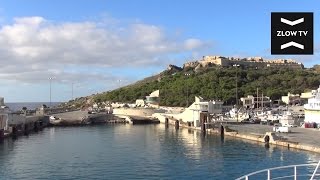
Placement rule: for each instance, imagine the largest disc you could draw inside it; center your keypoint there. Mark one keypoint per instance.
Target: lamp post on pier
(119, 81)
(237, 65)
(72, 91)
(50, 80)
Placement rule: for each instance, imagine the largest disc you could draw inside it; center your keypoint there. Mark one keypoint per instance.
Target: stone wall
(137, 111)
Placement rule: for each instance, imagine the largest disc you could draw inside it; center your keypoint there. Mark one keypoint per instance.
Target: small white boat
(54, 120)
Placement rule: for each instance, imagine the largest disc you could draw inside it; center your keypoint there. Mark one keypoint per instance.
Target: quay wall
(101, 118)
(274, 139)
(137, 111)
(160, 117)
(285, 143)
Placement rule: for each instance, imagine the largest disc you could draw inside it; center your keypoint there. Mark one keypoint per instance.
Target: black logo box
(277, 25)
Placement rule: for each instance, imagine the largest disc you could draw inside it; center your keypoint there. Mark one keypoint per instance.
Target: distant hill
(212, 81)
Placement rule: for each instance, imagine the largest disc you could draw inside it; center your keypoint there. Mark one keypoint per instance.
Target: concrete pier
(299, 138)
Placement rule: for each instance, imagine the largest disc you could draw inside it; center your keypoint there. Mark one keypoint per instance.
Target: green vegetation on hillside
(217, 83)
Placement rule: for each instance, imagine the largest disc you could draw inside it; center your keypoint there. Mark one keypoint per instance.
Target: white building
(199, 111)
(254, 102)
(312, 109)
(4, 115)
(140, 103)
(291, 99)
(7, 118)
(153, 99)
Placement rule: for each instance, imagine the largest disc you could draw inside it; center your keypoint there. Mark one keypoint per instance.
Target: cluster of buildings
(11, 122)
(255, 62)
(204, 111)
(151, 101)
(251, 62)
(264, 101)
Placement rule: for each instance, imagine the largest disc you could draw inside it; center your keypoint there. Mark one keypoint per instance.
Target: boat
(261, 115)
(54, 120)
(287, 119)
(238, 114)
(312, 108)
(272, 116)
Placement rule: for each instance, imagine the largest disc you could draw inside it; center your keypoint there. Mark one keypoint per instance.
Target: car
(277, 124)
(247, 120)
(289, 125)
(281, 129)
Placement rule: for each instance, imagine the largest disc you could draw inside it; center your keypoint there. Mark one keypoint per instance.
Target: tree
(217, 83)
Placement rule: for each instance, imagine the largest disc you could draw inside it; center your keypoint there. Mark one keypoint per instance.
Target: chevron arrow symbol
(292, 23)
(297, 45)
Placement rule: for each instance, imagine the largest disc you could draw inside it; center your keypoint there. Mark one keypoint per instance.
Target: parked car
(277, 124)
(281, 129)
(289, 125)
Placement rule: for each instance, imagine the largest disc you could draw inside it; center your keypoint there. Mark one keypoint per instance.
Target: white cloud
(32, 48)
(191, 44)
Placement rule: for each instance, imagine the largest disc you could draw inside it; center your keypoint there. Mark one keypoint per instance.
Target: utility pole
(119, 81)
(50, 79)
(237, 65)
(72, 92)
(187, 74)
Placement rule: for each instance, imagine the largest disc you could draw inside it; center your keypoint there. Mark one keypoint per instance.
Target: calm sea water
(16, 106)
(137, 152)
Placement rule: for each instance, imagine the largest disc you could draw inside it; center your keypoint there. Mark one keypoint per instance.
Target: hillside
(214, 82)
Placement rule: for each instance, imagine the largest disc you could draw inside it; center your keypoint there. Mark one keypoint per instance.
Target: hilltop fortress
(257, 62)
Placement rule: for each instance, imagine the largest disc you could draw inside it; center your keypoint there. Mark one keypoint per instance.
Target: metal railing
(268, 173)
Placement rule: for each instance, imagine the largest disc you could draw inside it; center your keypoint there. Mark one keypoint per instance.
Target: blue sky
(100, 45)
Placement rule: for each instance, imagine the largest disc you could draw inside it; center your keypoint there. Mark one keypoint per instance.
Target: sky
(83, 47)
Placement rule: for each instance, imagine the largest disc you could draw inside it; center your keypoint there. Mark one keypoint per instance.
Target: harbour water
(137, 152)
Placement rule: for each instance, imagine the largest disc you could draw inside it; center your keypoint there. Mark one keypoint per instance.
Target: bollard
(35, 127)
(177, 124)
(203, 128)
(14, 131)
(166, 122)
(26, 129)
(40, 125)
(222, 130)
(1, 134)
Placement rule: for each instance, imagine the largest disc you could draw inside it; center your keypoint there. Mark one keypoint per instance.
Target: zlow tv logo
(291, 33)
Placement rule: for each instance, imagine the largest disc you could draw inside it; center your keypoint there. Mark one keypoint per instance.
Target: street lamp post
(50, 79)
(187, 74)
(119, 81)
(72, 91)
(237, 65)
